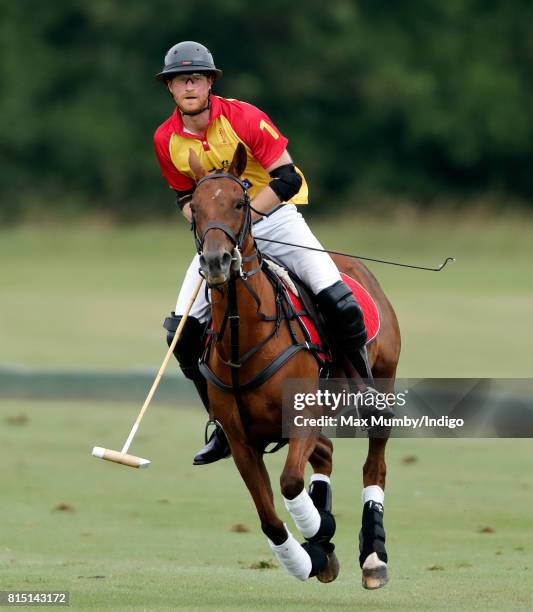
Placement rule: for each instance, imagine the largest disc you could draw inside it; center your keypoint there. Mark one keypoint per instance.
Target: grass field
(124, 539)
(458, 513)
(96, 297)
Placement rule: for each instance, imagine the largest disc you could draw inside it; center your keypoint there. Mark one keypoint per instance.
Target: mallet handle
(163, 366)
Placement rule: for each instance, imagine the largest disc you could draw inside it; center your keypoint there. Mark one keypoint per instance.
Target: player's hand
(187, 212)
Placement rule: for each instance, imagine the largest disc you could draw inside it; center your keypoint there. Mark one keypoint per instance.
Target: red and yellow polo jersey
(230, 122)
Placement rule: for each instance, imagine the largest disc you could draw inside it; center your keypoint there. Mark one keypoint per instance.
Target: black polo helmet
(188, 56)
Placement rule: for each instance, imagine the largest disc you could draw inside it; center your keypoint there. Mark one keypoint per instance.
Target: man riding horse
(212, 127)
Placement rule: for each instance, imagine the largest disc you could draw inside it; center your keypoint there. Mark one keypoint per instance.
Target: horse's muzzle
(216, 266)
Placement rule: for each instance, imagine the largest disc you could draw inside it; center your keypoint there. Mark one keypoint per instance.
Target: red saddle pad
(365, 301)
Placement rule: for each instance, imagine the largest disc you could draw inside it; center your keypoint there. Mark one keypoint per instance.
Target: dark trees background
(424, 99)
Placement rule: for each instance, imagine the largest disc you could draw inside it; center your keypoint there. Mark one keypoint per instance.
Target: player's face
(190, 91)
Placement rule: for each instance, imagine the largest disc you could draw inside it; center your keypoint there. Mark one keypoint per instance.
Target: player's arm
(181, 184)
(285, 184)
(183, 200)
(269, 148)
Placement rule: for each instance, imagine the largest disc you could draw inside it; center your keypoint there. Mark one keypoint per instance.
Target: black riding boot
(187, 351)
(345, 323)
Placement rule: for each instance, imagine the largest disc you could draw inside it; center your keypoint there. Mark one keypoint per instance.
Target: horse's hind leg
(321, 460)
(372, 554)
(316, 525)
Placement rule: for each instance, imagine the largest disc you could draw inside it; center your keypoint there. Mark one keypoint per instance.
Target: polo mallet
(123, 456)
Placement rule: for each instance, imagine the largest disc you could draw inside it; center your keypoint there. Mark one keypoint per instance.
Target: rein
(284, 310)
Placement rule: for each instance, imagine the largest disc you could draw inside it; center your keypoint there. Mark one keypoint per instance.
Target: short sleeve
(256, 129)
(175, 179)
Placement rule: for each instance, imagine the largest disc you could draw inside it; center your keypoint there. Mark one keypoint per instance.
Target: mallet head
(118, 457)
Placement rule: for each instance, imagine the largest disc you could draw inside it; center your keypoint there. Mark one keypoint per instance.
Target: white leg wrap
(374, 493)
(321, 477)
(304, 513)
(292, 557)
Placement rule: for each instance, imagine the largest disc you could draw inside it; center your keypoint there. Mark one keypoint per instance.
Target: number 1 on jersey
(263, 125)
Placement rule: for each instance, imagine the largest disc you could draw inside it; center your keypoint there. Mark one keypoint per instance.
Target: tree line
(417, 98)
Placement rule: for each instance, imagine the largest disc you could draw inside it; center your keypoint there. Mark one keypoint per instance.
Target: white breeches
(316, 270)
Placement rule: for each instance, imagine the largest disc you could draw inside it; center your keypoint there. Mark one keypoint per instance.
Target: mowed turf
(79, 297)
(458, 519)
(458, 512)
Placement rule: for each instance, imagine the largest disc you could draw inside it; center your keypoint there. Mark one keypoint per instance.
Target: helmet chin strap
(198, 112)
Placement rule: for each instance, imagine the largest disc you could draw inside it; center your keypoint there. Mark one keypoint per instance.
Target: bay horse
(251, 356)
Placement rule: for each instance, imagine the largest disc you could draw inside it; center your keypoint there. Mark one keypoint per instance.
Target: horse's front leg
(288, 551)
(311, 512)
(372, 554)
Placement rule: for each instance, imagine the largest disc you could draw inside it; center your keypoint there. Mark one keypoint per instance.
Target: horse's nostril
(226, 258)
(202, 261)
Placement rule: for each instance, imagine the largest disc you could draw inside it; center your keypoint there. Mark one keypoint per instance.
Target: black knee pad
(189, 347)
(343, 315)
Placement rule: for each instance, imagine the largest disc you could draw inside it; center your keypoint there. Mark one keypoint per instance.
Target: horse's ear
(238, 163)
(196, 165)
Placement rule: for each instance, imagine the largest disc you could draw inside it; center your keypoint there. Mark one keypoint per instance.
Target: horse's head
(221, 217)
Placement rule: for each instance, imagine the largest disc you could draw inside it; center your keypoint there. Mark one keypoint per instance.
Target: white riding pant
(317, 270)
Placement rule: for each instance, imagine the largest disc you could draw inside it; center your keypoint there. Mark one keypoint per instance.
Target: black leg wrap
(318, 555)
(320, 494)
(327, 528)
(372, 534)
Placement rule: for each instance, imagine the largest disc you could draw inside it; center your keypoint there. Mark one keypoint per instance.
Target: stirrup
(359, 364)
(364, 358)
(216, 446)
(209, 422)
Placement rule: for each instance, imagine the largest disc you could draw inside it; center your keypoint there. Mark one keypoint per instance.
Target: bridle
(237, 240)
(284, 311)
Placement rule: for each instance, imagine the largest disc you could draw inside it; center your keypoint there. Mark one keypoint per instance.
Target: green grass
(94, 297)
(76, 297)
(161, 538)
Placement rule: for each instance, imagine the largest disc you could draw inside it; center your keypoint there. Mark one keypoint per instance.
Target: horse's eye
(239, 205)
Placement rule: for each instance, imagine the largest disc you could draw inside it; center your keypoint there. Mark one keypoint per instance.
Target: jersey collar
(214, 112)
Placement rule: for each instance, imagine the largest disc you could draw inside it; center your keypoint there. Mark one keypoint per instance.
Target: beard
(200, 105)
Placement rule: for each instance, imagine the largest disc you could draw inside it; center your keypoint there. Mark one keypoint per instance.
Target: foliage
(417, 98)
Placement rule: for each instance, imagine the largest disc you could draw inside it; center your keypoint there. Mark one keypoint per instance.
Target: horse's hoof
(375, 578)
(331, 571)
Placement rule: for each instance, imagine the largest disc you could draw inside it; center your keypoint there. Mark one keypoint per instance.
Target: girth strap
(259, 378)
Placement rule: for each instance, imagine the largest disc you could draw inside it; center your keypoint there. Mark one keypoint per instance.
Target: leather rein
(284, 308)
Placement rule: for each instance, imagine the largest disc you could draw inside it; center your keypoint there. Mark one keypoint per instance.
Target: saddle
(295, 305)
(310, 317)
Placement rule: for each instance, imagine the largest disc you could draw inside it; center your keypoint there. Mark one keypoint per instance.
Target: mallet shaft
(163, 366)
